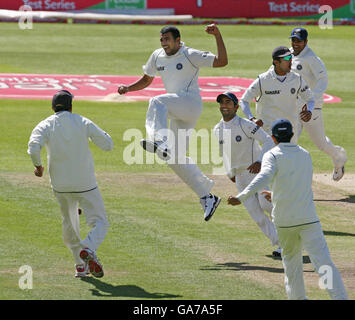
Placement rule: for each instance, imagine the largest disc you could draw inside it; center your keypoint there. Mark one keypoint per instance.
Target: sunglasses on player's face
(287, 58)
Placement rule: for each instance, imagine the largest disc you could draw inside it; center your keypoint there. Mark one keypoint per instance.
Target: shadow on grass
(241, 266)
(305, 259)
(340, 234)
(103, 289)
(349, 199)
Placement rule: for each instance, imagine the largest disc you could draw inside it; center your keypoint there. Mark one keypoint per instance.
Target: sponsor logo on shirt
(299, 67)
(205, 54)
(221, 141)
(304, 89)
(255, 129)
(179, 66)
(238, 138)
(161, 68)
(273, 92)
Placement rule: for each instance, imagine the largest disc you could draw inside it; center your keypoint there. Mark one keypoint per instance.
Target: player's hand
(305, 114)
(267, 195)
(233, 201)
(39, 171)
(258, 122)
(212, 29)
(232, 179)
(122, 89)
(254, 167)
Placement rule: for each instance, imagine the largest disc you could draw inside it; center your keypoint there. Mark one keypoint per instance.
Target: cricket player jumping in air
(178, 66)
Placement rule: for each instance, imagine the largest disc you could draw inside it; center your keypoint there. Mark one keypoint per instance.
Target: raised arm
(221, 59)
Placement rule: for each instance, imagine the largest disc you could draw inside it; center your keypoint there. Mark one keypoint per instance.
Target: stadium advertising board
(200, 8)
(68, 5)
(256, 8)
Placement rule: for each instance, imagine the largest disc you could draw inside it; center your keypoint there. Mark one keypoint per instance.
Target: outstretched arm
(221, 59)
(140, 84)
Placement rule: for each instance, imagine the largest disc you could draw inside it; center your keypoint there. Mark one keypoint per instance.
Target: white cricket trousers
(183, 110)
(311, 238)
(93, 208)
(256, 205)
(315, 130)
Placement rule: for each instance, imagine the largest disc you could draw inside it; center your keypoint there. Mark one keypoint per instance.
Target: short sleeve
(150, 68)
(199, 58)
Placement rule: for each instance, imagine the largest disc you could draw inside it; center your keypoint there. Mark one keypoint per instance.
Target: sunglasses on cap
(287, 58)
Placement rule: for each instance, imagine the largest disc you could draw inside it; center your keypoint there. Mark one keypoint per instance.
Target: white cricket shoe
(90, 258)
(158, 147)
(209, 205)
(339, 165)
(81, 270)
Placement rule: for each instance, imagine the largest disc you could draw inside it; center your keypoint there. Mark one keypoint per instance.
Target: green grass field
(158, 246)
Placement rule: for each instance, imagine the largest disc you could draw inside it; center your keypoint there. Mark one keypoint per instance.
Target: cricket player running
(288, 169)
(178, 66)
(306, 63)
(238, 139)
(276, 92)
(72, 176)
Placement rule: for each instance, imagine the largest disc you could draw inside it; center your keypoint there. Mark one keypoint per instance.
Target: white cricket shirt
(277, 99)
(287, 168)
(66, 137)
(313, 70)
(238, 140)
(179, 72)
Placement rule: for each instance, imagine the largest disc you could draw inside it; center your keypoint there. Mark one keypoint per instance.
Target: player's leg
(315, 130)
(71, 226)
(182, 107)
(187, 169)
(291, 244)
(315, 244)
(92, 204)
(93, 207)
(254, 209)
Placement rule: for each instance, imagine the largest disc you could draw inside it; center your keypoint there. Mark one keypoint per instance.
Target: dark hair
(174, 31)
(278, 59)
(284, 139)
(62, 101)
(282, 130)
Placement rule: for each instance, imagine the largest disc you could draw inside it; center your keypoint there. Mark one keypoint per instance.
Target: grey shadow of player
(349, 199)
(305, 259)
(241, 266)
(103, 289)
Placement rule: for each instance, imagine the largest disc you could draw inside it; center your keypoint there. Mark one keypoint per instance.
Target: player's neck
(227, 119)
(280, 72)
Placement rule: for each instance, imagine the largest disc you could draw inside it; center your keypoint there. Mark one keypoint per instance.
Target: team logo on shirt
(293, 90)
(179, 66)
(204, 55)
(238, 138)
(160, 68)
(299, 67)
